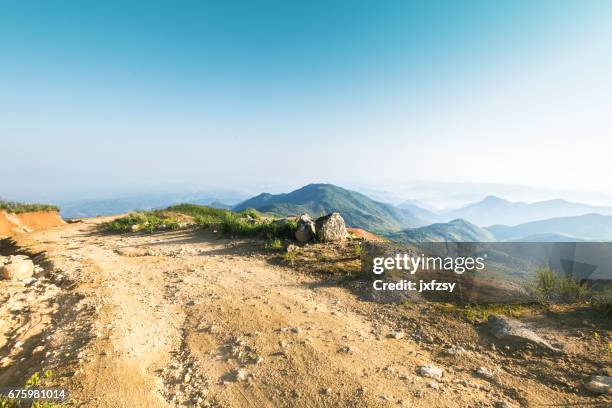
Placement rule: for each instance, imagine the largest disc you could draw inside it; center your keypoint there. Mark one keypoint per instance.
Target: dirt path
(186, 319)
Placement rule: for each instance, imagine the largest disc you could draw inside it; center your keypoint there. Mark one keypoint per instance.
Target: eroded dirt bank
(187, 319)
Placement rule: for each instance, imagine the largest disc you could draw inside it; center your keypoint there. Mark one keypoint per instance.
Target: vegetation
(38, 379)
(274, 245)
(549, 287)
(19, 208)
(480, 312)
(142, 221)
(248, 222)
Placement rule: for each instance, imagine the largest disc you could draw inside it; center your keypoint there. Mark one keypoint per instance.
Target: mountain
(145, 201)
(357, 209)
(494, 210)
(420, 212)
(453, 231)
(589, 227)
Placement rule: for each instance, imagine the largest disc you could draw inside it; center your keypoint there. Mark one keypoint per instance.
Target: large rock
(17, 267)
(512, 330)
(331, 227)
(306, 229)
(599, 384)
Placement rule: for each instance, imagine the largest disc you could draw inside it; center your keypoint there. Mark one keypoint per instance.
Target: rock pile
(328, 228)
(16, 267)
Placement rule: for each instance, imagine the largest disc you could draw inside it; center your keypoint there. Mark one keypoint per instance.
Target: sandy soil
(188, 319)
(12, 224)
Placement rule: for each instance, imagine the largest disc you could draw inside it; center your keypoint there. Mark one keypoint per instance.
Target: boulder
(512, 330)
(599, 384)
(331, 227)
(306, 229)
(17, 267)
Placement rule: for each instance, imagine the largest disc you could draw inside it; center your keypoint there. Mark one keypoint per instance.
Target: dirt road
(188, 319)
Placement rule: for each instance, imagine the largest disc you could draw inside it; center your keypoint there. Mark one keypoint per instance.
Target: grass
(142, 221)
(274, 245)
(20, 208)
(549, 287)
(38, 379)
(245, 223)
(479, 313)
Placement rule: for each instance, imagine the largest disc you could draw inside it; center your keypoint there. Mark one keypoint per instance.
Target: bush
(149, 221)
(551, 287)
(274, 245)
(19, 208)
(246, 223)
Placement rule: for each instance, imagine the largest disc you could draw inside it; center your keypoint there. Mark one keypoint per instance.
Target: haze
(108, 97)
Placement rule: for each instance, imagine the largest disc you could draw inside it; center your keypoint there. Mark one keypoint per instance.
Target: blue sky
(119, 96)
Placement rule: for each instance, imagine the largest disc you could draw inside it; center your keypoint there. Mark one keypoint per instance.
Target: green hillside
(453, 231)
(357, 209)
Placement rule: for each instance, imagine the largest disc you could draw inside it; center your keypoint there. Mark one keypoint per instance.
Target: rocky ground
(188, 319)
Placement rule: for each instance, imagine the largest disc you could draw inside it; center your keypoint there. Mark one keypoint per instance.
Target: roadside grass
(37, 379)
(245, 223)
(548, 287)
(549, 290)
(20, 208)
(478, 313)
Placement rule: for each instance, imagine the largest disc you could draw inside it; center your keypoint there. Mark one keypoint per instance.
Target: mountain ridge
(357, 209)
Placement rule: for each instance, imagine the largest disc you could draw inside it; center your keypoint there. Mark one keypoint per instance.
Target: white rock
(485, 373)
(18, 267)
(430, 371)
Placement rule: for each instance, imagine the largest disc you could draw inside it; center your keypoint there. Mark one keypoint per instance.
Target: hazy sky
(112, 96)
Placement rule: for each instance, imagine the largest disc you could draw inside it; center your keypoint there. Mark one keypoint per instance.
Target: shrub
(274, 245)
(19, 208)
(149, 221)
(551, 287)
(246, 223)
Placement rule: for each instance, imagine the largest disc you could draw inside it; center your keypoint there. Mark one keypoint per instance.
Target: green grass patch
(20, 208)
(38, 379)
(141, 221)
(479, 313)
(273, 245)
(246, 223)
(549, 287)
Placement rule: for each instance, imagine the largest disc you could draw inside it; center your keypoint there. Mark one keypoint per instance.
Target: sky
(128, 96)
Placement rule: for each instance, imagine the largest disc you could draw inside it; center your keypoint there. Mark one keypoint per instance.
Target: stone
(18, 267)
(396, 335)
(485, 373)
(512, 330)
(599, 384)
(306, 229)
(331, 227)
(430, 371)
(29, 281)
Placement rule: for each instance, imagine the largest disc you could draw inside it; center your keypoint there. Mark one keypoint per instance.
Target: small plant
(290, 257)
(548, 286)
(35, 380)
(273, 245)
(358, 250)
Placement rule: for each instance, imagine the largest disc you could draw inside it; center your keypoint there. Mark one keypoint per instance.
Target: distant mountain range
(589, 227)
(494, 210)
(357, 209)
(490, 219)
(119, 205)
(453, 231)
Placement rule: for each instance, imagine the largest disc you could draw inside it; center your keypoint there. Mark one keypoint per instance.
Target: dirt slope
(12, 224)
(184, 318)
